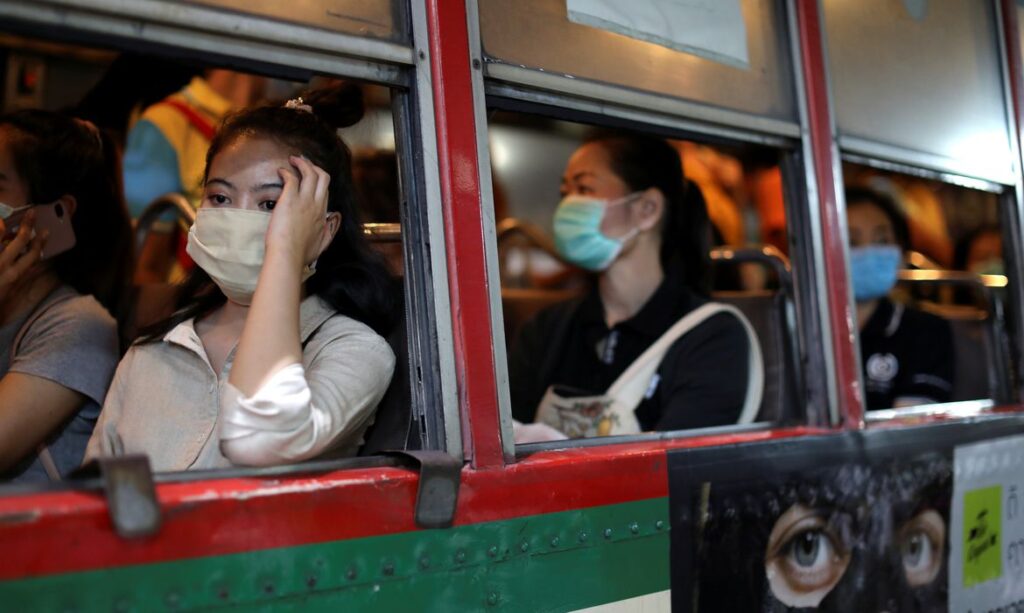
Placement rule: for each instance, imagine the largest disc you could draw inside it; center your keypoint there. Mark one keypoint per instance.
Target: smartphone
(53, 217)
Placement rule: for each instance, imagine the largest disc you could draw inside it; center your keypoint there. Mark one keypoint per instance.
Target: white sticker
(713, 29)
(986, 561)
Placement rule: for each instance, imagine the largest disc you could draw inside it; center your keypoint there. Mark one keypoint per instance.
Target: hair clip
(298, 104)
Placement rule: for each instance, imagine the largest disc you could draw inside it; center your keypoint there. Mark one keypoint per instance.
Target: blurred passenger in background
(131, 85)
(907, 355)
(981, 252)
(166, 153)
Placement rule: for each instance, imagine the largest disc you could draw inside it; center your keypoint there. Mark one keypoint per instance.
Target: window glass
(555, 44)
(926, 81)
(148, 120)
(929, 279)
(606, 240)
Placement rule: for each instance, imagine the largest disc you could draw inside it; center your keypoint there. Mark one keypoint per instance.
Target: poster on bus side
(849, 523)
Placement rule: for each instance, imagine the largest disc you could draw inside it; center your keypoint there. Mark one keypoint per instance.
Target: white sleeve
(297, 415)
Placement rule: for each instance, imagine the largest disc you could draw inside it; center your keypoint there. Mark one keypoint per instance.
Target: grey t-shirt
(70, 340)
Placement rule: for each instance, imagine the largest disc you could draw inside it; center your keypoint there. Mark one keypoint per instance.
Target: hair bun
(339, 103)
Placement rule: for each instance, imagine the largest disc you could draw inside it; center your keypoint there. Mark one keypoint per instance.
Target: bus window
(606, 241)
(930, 286)
(161, 113)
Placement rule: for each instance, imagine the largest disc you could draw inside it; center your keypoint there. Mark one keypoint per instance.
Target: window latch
(131, 495)
(438, 493)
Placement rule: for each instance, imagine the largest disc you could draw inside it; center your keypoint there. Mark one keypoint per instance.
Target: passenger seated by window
(626, 216)
(275, 354)
(907, 355)
(65, 263)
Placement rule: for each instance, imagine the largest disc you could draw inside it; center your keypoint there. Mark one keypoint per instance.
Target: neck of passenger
(630, 282)
(23, 297)
(864, 312)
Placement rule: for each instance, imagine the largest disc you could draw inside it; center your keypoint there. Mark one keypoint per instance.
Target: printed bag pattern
(612, 413)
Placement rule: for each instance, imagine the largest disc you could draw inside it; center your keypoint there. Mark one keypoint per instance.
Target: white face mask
(229, 245)
(7, 210)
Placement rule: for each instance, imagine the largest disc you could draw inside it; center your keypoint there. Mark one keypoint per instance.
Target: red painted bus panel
(467, 266)
(841, 320)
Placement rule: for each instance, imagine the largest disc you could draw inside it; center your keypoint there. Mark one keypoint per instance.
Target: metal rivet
(311, 581)
(351, 573)
(658, 525)
(634, 528)
(583, 537)
(524, 547)
(493, 551)
(389, 569)
(476, 64)
(425, 562)
(554, 542)
(492, 598)
(268, 588)
(460, 556)
(223, 593)
(607, 533)
(423, 56)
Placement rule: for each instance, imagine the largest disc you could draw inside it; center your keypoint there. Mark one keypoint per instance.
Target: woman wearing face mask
(907, 354)
(628, 216)
(274, 354)
(65, 260)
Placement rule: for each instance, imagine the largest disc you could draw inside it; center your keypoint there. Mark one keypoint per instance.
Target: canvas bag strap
(629, 389)
(53, 298)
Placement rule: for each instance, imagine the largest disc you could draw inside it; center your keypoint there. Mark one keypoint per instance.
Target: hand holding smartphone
(51, 220)
(20, 250)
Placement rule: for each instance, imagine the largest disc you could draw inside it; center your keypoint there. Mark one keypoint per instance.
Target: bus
(473, 106)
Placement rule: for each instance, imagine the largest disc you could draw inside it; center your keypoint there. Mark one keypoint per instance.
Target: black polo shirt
(702, 381)
(906, 354)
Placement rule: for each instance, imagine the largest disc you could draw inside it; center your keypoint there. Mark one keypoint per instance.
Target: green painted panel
(550, 562)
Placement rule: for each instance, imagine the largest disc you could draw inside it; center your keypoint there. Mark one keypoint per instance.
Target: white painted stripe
(658, 602)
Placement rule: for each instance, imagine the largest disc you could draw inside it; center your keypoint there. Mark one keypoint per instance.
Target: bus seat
(766, 312)
(978, 362)
(972, 366)
(394, 423)
(520, 305)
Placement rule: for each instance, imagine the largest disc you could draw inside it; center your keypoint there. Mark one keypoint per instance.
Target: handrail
(383, 232)
(765, 255)
(173, 202)
(916, 259)
(952, 277)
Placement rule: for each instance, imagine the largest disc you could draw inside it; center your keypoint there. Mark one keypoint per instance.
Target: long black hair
(57, 155)
(857, 196)
(643, 162)
(350, 277)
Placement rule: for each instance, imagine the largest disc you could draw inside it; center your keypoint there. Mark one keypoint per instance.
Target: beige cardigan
(165, 400)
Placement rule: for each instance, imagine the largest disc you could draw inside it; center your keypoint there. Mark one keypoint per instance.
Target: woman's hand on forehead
(297, 222)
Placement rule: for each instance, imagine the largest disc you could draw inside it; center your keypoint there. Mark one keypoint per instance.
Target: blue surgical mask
(578, 235)
(873, 270)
